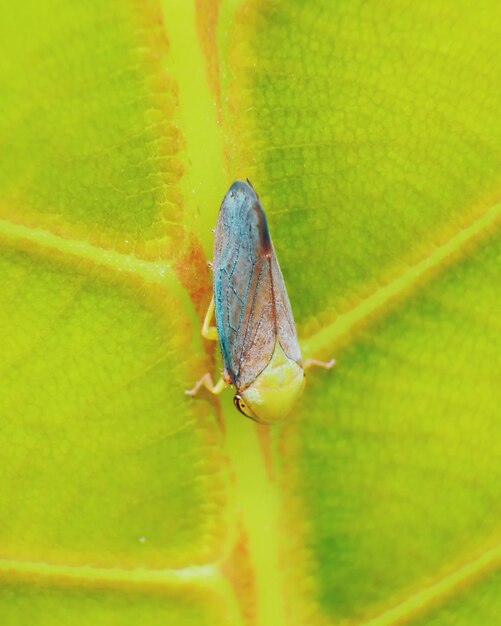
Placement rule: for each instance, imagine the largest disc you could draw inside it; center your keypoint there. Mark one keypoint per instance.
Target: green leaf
(371, 132)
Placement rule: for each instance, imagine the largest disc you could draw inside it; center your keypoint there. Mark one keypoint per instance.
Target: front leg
(206, 381)
(210, 332)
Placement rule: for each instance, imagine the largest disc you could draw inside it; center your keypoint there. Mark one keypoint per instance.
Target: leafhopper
(254, 322)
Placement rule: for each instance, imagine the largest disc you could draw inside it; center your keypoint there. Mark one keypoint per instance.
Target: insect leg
(315, 362)
(208, 331)
(206, 381)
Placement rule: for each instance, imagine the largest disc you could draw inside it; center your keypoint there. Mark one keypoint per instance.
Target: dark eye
(242, 407)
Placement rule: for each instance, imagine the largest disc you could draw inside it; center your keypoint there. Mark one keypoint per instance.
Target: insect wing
(251, 303)
(285, 326)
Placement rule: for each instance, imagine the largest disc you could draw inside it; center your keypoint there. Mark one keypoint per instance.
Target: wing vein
(251, 313)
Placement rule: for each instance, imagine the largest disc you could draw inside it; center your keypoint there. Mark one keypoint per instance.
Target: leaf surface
(371, 133)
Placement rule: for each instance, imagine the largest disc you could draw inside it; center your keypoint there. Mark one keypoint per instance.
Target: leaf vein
(324, 341)
(438, 591)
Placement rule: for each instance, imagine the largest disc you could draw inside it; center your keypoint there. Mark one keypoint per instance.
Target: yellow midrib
(205, 174)
(256, 498)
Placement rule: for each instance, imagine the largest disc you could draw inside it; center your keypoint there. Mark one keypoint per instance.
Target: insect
(254, 322)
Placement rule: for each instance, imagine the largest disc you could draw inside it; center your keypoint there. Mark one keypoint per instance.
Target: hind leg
(209, 332)
(307, 363)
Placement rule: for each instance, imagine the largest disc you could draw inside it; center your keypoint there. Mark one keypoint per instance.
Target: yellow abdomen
(272, 395)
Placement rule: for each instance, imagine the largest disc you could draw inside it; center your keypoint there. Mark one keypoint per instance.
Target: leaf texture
(371, 133)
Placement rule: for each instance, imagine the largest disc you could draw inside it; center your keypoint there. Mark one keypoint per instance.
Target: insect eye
(241, 406)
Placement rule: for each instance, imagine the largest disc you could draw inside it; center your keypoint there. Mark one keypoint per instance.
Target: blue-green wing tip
(245, 187)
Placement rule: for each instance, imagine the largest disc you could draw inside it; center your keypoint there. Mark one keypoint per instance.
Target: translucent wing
(252, 309)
